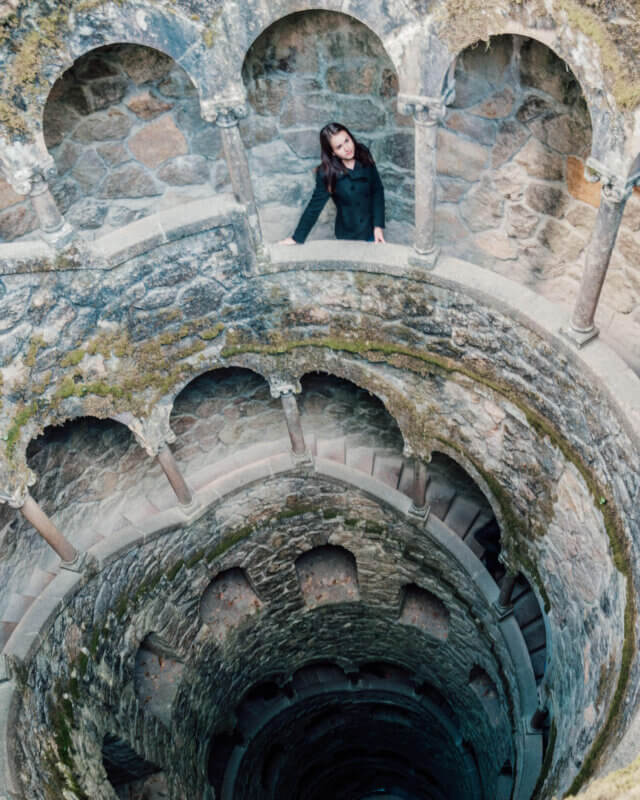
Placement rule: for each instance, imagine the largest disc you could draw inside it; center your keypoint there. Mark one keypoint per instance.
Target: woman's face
(343, 146)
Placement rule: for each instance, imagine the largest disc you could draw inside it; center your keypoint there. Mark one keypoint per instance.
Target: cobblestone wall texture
(309, 69)
(82, 336)
(146, 593)
(552, 516)
(513, 196)
(124, 127)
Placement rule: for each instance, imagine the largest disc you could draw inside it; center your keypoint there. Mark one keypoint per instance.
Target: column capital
(224, 111)
(153, 433)
(279, 385)
(426, 110)
(26, 168)
(615, 187)
(14, 496)
(15, 481)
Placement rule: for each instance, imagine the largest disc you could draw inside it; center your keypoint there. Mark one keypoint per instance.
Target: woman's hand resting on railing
(288, 240)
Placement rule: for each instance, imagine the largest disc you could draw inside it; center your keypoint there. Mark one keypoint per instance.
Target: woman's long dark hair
(331, 166)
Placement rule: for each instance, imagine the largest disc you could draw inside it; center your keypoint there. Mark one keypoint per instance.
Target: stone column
(287, 394)
(49, 532)
(420, 481)
(153, 433)
(427, 113)
(170, 467)
(612, 202)
(29, 174)
(226, 114)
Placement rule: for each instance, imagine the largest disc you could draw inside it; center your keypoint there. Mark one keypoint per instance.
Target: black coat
(359, 199)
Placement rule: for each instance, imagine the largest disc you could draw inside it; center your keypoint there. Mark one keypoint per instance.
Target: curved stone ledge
(131, 240)
(532, 310)
(27, 637)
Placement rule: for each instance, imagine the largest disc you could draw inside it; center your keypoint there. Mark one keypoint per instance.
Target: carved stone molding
(615, 187)
(426, 110)
(224, 111)
(279, 385)
(152, 433)
(25, 168)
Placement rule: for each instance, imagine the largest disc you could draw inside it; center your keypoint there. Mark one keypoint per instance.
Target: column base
(77, 564)
(426, 261)
(192, 510)
(59, 238)
(419, 512)
(303, 459)
(579, 338)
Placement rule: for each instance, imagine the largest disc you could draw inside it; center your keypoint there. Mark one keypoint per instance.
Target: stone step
(16, 606)
(439, 496)
(470, 540)
(361, 458)
(520, 589)
(535, 634)
(387, 467)
(38, 580)
(461, 515)
(526, 609)
(6, 629)
(214, 470)
(332, 449)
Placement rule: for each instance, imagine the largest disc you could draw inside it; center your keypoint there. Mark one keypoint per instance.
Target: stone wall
(16, 214)
(304, 71)
(512, 192)
(124, 127)
(157, 588)
(458, 374)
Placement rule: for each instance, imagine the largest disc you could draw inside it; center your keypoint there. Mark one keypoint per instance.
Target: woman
(349, 176)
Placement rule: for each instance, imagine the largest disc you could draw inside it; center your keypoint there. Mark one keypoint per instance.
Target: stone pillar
(427, 113)
(153, 433)
(49, 532)
(420, 481)
(170, 467)
(294, 425)
(603, 238)
(226, 114)
(29, 174)
(287, 394)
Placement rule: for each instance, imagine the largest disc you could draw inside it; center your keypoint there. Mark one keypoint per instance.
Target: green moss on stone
(35, 345)
(121, 606)
(19, 421)
(195, 559)
(175, 569)
(212, 333)
(626, 89)
(62, 768)
(229, 541)
(72, 358)
(147, 586)
(614, 717)
(373, 527)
